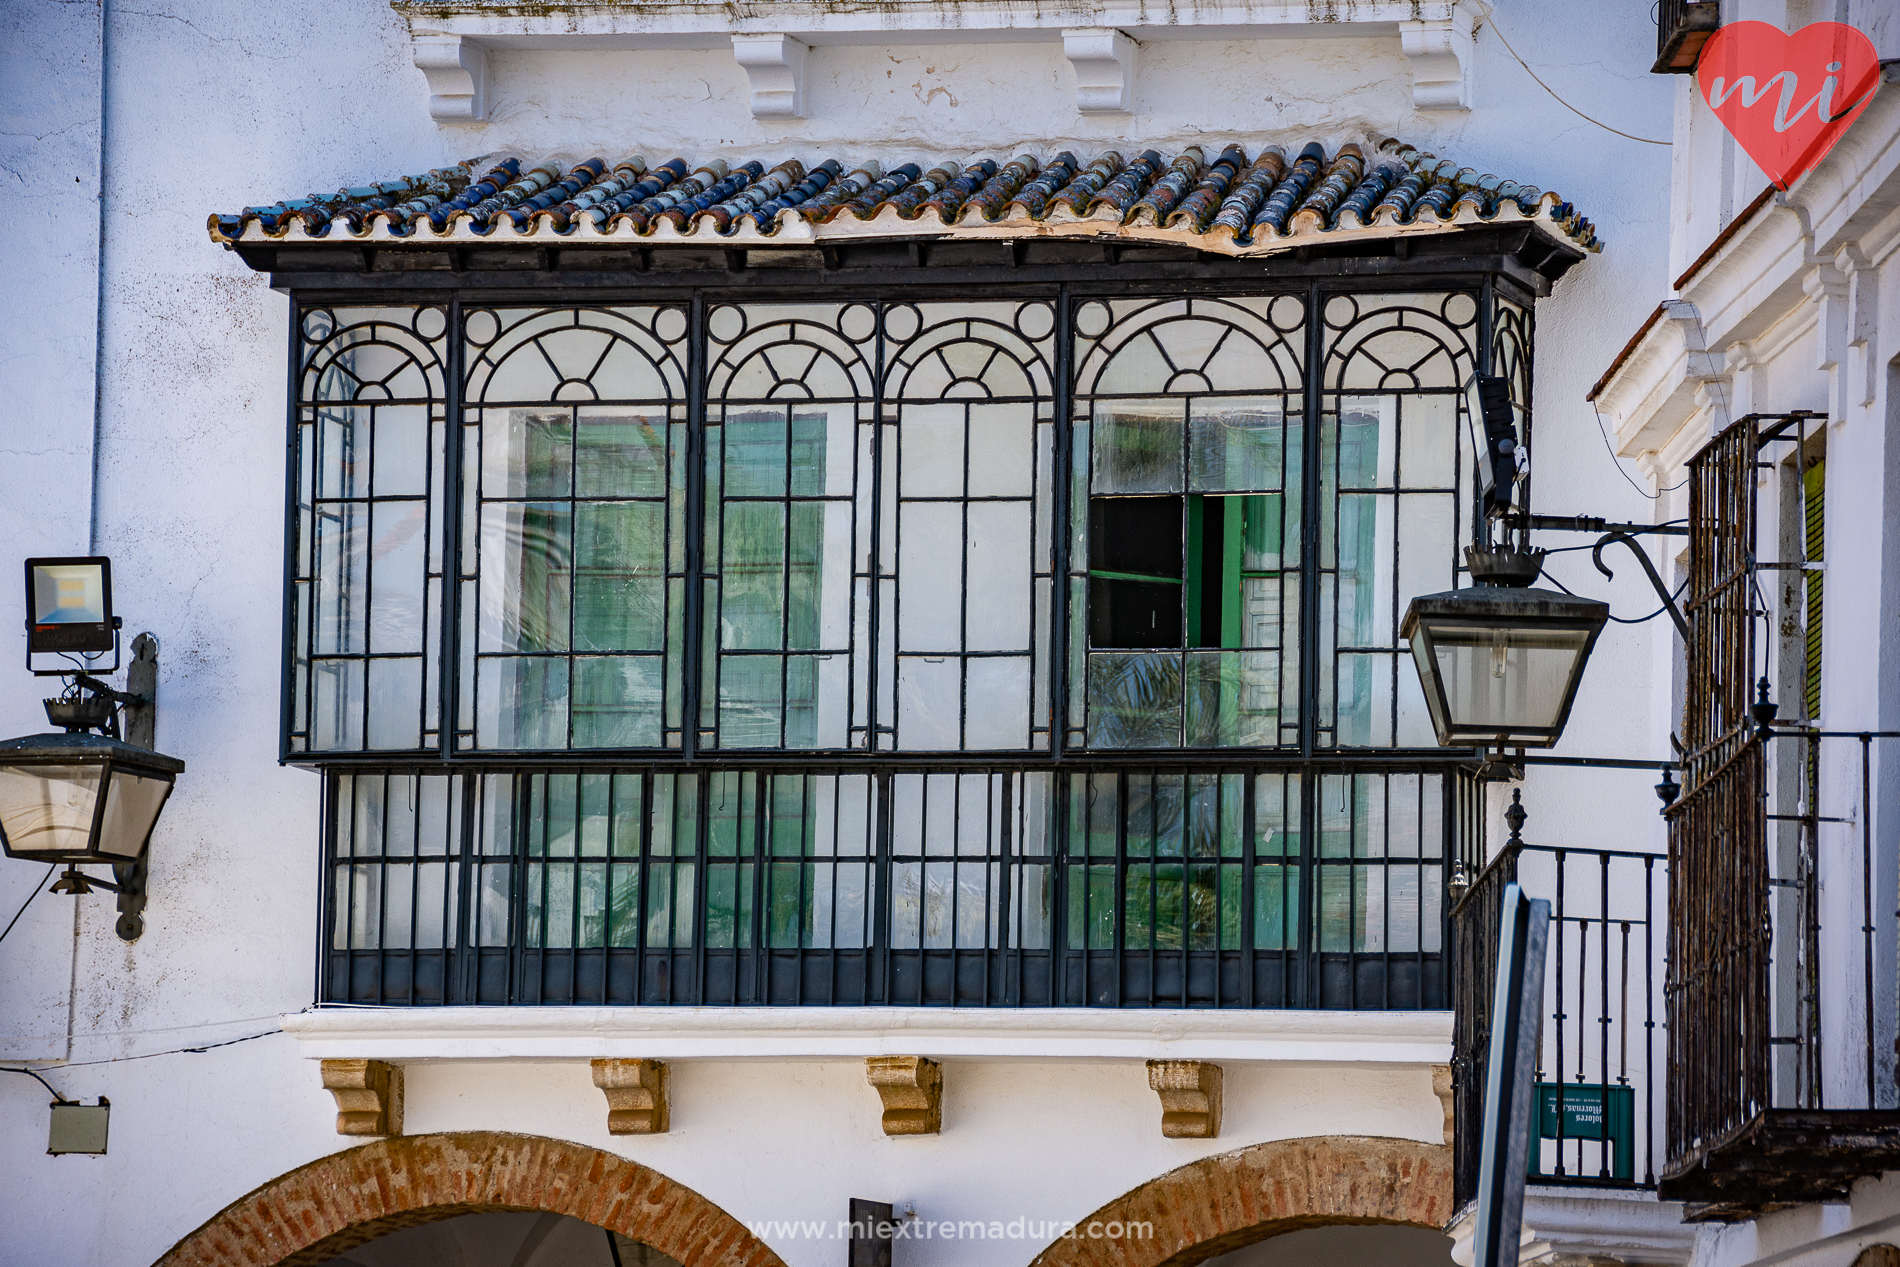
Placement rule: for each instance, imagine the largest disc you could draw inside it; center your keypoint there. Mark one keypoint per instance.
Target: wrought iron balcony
(1781, 1010)
(1601, 1058)
(1781, 921)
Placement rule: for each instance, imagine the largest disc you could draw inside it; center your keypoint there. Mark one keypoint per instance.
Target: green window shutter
(1813, 485)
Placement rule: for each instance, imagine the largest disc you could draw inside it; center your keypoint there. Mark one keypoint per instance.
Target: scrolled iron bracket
(1649, 570)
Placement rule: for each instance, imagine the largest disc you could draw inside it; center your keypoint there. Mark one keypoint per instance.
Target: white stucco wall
(214, 105)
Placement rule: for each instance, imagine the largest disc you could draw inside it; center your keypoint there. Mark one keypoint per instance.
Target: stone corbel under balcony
(775, 63)
(1190, 1092)
(638, 1099)
(368, 1096)
(1440, 50)
(457, 71)
(1104, 61)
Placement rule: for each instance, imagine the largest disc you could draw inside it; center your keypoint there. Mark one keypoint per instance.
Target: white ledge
(707, 23)
(839, 1033)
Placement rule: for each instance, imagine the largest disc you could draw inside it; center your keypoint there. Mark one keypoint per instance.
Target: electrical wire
(29, 901)
(1621, 620)
(1618, 462)
(57, 1097)
(1560, 101)
(149, 1055)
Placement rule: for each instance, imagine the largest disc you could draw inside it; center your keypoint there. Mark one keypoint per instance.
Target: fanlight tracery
(373, 355)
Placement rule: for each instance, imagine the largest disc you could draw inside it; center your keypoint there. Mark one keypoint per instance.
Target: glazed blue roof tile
(1234, 204)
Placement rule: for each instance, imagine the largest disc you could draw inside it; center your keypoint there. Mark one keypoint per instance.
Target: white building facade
(781, 604)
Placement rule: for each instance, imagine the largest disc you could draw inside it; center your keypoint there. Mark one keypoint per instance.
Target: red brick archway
(339, 1202)
(1220, 1203)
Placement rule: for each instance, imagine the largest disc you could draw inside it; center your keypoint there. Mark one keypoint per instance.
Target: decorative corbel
(458, 76)
(1441, 1087)
(1190, 1097)
(1863, 308)
(775, 63)
(911, 1088)
(637, 1096)
(1440, 53)
(368, 1096)
(1104, 61)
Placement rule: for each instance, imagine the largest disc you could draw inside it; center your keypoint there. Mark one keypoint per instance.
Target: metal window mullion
(691, 670)
(1248, 835)
(880, 810)
(326, 897)
(288, 686)
(415, 874)
(1060, 583)
(1309, 522)
(702, 885)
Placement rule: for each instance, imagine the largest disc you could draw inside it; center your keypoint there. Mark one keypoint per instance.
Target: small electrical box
(79, 1128)
(873, 1228)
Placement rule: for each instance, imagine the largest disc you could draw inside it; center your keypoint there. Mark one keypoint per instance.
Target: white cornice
(1760, 279)
(1099, 36)
(840, 1033)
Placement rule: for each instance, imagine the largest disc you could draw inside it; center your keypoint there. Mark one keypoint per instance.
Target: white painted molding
(1564, 1226)
(1104, 61)
(846, 1033)
(457, 70)
(775, 63)
(1440, 49)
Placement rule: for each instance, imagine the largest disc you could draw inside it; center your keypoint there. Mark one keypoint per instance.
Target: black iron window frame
(1499, 333)
(1001, 974)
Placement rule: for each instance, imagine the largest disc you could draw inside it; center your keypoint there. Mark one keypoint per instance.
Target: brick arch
(336, 1203)
(1221, 1203)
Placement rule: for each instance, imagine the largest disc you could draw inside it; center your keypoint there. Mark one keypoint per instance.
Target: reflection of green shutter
(1242, 518)
(1813, 482)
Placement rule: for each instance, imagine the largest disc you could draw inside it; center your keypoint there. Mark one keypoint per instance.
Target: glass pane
(525, 576)
(617, 701)
(619, 453)
(1137, 447)
(751, 610)
(1235, 445)
(522, 702)
(1134, 699)
(527, 453)
(619, 581)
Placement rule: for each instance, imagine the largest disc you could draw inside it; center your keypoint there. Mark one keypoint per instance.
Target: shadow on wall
(1344, 1247)
(507, 1240)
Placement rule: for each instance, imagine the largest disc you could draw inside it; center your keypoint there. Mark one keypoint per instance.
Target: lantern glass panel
(48, 809)
(1505, 680)
(131, 810)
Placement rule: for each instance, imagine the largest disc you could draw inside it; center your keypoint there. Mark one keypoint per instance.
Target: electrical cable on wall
(1560, 101)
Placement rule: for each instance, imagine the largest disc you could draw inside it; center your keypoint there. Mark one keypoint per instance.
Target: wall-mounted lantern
(1499, 661)
(86, 796)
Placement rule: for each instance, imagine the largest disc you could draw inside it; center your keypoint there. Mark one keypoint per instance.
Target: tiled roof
(1227, 203)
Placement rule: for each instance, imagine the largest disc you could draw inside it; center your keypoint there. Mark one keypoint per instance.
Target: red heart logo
(1787, 98)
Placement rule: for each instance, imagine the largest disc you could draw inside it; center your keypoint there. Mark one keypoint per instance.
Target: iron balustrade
(1596, 1120)
(1781, 1014)
(1229, 886)
(643, 635)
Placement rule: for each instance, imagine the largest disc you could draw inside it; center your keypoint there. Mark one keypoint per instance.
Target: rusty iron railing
(1717, 988)
(1600, 1050)
(1781, 1083)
